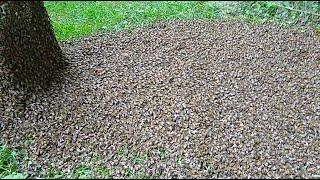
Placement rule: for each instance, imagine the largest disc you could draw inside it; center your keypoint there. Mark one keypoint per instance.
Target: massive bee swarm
(29, 49)
(193, 99)
(176, 99)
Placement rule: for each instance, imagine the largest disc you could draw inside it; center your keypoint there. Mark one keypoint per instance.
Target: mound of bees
(179, 99)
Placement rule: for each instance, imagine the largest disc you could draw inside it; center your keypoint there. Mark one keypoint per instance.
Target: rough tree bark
(29, 48)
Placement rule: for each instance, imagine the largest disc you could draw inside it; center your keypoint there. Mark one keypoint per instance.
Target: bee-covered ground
(183, 99)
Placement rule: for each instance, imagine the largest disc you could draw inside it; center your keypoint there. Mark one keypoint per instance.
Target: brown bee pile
(194, 99)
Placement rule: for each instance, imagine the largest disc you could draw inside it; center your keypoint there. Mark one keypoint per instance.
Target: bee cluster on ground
(200, 99)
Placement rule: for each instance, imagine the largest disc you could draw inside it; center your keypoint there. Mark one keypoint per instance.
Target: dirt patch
(199, 99)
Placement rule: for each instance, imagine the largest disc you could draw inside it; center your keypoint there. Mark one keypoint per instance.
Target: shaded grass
(284, 13)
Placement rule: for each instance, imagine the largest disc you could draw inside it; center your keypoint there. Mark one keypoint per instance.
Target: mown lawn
(78, 19)
(72, 19)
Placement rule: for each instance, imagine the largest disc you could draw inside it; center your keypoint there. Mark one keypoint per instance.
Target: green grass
(73, 19)
(78, 19)
(9, 165)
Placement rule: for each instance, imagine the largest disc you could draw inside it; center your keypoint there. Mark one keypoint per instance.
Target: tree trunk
(29, 48)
